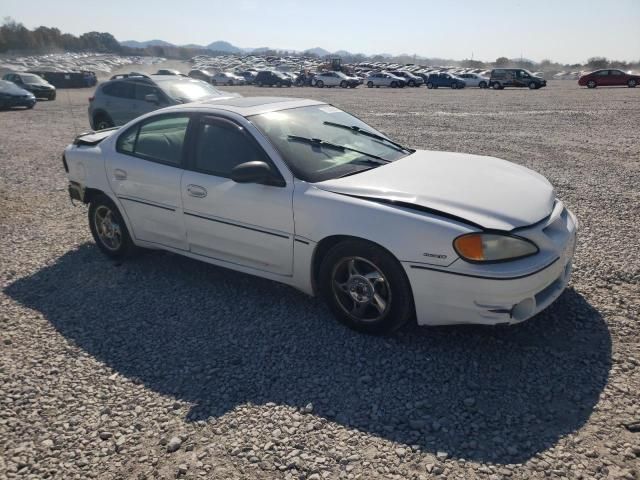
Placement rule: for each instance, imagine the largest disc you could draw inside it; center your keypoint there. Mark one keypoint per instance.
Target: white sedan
(301, 192)
(474, 80)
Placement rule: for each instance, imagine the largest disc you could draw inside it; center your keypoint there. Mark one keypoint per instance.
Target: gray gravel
(163, 367)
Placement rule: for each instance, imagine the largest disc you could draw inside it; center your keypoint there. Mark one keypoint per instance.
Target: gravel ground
(163, 367)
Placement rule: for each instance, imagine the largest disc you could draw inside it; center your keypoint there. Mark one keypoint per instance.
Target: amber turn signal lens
(470, 247)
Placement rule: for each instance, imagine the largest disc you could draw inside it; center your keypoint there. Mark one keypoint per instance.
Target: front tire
(394, 84)
(532, 85)
(370, 84)
(429, 85)
(365, 287)
(482, 84)
(343, 84)
(632, 83)
(108, 228)
(320, 84)
(496, 86)
(591, 84)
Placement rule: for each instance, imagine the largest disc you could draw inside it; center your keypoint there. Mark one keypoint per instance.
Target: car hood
(485, 191)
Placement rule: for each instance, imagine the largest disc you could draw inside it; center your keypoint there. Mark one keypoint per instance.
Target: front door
(145, 174)
(247, 224)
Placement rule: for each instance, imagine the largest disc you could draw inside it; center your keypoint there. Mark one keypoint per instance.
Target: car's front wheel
(370, 84)
(482, 84)
(591, 84)
(496, 86)
(320, 84)
(366, 287)
(532, 85)
(108, 228)
(632, 83)
(429, 85)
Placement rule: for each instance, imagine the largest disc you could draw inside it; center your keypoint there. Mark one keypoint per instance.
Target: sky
(568, 31)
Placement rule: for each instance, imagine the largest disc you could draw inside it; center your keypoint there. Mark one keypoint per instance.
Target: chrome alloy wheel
(361, 289)
(109, 231)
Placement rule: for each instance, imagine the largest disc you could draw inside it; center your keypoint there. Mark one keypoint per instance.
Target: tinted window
(119, 89)
(157, 139)
(616, 72)
(602, 73)
(221, 146)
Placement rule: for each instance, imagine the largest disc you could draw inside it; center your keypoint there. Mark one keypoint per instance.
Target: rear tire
(108, 228)
(496, 86)
(429, 85)
(102, 121)
(370, 84)
(412, 83)
(365, 287)
(482, 84)
(320, 84)
(394, 84)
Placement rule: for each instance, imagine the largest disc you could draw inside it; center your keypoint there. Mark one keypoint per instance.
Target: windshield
(307, 138)
(28, 78)
(188, 90)
(9, 87)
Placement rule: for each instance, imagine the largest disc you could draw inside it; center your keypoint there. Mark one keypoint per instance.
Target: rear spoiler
(91, 139)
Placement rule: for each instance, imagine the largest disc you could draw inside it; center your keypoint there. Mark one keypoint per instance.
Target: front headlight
(493, 247)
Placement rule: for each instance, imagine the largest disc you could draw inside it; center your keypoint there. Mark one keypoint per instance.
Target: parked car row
(33, 83)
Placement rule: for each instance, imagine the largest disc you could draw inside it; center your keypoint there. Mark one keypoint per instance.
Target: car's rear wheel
(366, 287)
(412, 83)
(482, 84)
(102, 121)
(497, 86)
(592, 84)
(394, 84)
(108, 228)
(429, 85)
(632, 83)
(370, 84)
(320, 84)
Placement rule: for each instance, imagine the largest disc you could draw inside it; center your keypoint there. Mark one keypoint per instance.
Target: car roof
(248, 106)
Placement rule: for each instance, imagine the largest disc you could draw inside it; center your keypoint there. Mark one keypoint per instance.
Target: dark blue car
(441, 79)
(13, 96)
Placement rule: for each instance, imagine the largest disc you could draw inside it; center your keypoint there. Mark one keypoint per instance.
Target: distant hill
(321, 52)
(148, 43)
(222, 46)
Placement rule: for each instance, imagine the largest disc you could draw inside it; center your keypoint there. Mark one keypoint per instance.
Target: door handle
(197, 191)
(119, 174)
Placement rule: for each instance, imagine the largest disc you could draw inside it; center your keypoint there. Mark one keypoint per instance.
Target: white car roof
(247, 106)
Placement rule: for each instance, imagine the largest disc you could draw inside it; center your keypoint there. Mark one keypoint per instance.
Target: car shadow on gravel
(219, 339)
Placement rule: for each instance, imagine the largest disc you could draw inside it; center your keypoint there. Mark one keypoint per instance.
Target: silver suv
(384, 79)
(128, 96)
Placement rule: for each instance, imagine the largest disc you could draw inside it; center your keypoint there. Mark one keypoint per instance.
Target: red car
(609, 78)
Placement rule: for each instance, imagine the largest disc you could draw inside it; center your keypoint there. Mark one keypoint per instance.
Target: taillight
(91, 99)
(64, 163)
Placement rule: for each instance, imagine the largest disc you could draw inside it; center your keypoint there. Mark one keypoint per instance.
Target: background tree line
(16, 38)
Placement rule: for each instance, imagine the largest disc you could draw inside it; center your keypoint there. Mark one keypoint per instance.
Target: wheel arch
(327, 243)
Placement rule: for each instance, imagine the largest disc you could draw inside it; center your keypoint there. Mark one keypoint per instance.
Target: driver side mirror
(256, 172)
(152, 98)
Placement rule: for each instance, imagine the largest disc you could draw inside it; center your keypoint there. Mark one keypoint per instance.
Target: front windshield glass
(307, 138)
(189, 90)
(32, 79)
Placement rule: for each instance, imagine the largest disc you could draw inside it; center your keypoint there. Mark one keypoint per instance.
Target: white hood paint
(487, 191)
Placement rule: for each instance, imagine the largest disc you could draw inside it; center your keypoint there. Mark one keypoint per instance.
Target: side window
(602, 73)
(159, 139)
(119, 89)
(221, 146)
(142, 90)
(616, 72)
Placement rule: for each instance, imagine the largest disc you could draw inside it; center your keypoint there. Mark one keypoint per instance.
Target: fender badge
(434, 255)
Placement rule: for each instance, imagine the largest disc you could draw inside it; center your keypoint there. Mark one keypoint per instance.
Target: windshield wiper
(323, 143)
(367, 133)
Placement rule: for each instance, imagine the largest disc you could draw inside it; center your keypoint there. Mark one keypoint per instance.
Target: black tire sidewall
(127, 247)
(402, 306)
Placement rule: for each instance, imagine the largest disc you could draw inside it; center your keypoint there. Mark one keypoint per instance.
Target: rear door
(118, 101)
(243, 223)
(142, 106)
(145, 173)
(617, 77)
